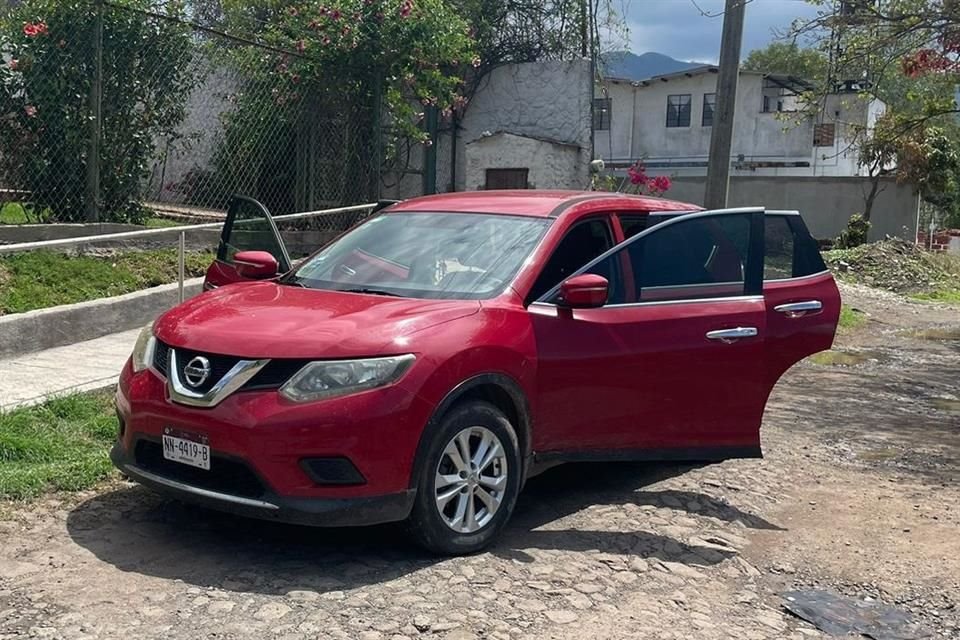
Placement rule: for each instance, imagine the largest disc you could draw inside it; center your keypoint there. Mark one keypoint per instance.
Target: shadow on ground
(138, 531)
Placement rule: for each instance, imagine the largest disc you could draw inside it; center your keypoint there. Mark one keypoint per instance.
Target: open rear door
(801, 298)
(248, 227)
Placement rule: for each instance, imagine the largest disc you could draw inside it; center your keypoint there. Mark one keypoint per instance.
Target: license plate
(186, 448)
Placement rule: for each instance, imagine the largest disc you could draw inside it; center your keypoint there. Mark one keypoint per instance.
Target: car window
(425, 255)
(806, 254)
(584, 242)
(789, 251)
(703, 257)
(251, 231)
(633, 224)
(778, 248)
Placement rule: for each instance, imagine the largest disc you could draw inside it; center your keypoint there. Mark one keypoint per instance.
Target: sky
(677, 28)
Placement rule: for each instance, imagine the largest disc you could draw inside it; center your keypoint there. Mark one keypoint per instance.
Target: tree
(44, 112)
(788, 58)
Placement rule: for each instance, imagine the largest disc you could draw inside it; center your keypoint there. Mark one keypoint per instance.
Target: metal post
(430, 152)
(92, 205)
(181, 264)
(721, 138)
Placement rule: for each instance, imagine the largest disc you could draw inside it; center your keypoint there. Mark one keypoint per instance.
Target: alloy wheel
(471, 479)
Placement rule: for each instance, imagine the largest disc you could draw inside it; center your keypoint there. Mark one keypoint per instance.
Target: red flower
(637, 174)
(30, 110)
(13, 64)
(335, 14)
(32, 30)
(406, 8)
(660, 184)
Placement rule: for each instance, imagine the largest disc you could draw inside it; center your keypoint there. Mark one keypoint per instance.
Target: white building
(666, 121)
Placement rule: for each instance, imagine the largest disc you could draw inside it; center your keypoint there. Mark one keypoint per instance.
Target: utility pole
(721, 138)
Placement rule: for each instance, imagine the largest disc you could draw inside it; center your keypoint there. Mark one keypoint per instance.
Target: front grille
(161, 353)
(272, 376)
(226, 475)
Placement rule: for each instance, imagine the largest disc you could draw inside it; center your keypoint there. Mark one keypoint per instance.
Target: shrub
(855, 234)
(44, 101)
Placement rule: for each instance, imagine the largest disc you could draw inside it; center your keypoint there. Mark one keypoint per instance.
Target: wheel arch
(500, 390)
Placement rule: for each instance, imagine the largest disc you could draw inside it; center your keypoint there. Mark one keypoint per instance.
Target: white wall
(551, 166)
(638, 129)
(537, 99)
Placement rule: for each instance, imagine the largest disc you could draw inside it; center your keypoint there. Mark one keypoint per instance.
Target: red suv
(421, 366)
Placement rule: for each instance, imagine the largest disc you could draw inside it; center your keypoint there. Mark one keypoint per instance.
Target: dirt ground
(859, 493)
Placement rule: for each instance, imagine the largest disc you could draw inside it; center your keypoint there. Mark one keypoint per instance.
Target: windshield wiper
(372, 292)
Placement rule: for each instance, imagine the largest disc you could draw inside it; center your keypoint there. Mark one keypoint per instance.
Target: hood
(267, 320)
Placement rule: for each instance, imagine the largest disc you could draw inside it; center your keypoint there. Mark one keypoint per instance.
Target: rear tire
(468, 481)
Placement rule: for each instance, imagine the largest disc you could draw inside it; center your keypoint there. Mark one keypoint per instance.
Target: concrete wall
(639, 116)
(550, 165)
(826, 203)
(638, 129)
(537, 99)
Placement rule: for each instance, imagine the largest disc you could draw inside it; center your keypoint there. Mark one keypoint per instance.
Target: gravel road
(859, 492)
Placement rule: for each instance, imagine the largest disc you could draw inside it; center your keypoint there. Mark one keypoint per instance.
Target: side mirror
(255, 265)
(585, 291)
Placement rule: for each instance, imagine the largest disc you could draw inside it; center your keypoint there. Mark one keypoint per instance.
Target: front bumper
(318, 512)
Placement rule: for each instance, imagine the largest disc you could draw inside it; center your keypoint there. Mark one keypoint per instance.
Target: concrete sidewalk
(84, 366)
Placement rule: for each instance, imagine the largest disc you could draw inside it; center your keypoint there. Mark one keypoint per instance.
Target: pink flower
(637, 174)
(13, 64)
(293, 11)
(335, 14)
(30, 110)
(660, 184)
(326, 40)
(406, 8)
(30, 30)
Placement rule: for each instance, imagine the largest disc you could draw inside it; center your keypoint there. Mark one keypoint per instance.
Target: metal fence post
(181, 263)
(92, 206)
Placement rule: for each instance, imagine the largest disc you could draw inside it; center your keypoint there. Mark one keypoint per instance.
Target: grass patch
(161, 223)
(13, 213)
(951, 296)
(850, 318)
(61, 445)
(42, 279)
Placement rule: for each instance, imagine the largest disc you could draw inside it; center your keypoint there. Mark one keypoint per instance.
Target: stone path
(84, 366)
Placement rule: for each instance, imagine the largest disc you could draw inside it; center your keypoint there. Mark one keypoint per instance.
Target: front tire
(468, 481)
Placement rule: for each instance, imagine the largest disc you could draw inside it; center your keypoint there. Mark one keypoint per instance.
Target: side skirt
(686, 454)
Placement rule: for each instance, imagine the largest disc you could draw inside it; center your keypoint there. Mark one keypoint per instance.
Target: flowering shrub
(44, 102)
(363, 69)
(640, 182)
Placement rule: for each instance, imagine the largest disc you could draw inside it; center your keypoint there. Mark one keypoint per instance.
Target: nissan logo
(197, 371)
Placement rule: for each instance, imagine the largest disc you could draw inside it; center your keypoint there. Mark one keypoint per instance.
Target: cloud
(678, 29)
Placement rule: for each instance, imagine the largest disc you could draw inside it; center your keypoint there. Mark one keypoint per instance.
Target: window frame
(753, 270)
(602, 116)
(679, 125)
(713, 110)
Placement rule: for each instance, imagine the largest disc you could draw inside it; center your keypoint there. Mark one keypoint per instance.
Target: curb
(22, 333)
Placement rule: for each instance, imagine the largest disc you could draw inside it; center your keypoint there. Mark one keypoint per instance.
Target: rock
(303, 596)
(221, 606)
(440, 627)
(639, 565)
(533, 606)
(588, 587)
(272, 611)
(370, 635)
(561, 616)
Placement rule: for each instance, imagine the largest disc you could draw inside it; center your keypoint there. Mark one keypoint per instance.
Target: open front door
(672, 366)
(248, 227)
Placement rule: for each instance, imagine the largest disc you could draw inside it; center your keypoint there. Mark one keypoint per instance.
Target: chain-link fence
(178, 116)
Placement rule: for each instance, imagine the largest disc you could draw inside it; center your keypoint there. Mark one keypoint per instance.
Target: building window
(601, 113)
(709, 104)
(507, 179)
(678, 110)
(823, 134)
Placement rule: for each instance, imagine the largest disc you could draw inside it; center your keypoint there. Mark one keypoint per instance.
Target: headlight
(143, 349)
(329, 378)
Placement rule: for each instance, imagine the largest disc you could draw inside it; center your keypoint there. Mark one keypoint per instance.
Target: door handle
(729, 336)
(799, 309)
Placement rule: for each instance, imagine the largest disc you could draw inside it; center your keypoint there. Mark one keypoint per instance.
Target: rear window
(789, 249)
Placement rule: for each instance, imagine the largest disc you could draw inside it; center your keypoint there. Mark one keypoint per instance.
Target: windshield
(425, 255)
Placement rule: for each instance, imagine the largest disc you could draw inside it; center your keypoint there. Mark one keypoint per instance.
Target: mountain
(624, 64)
